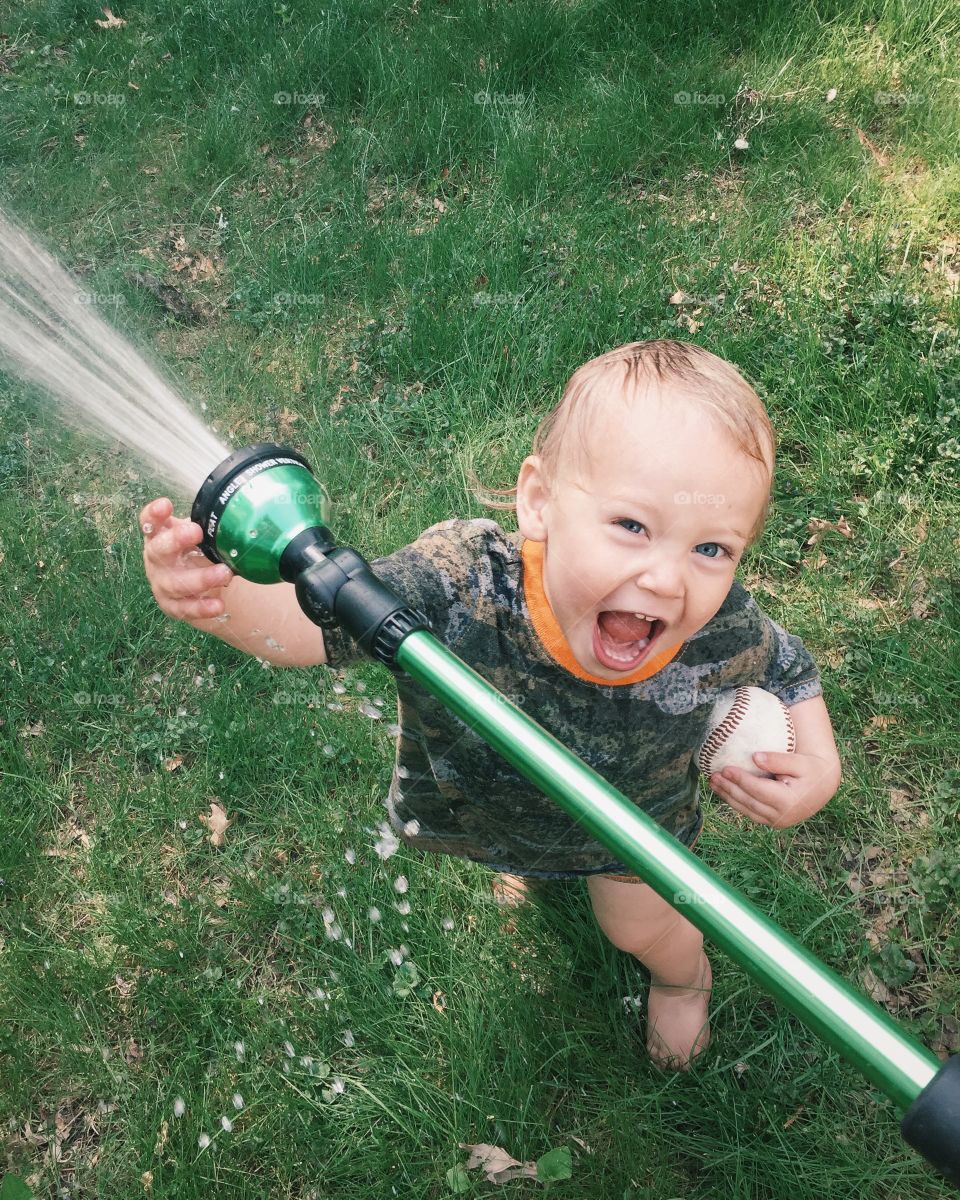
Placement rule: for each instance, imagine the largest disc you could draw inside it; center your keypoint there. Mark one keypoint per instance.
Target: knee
(645, 938)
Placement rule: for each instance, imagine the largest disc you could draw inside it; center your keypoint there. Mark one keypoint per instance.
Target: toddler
(613, 616)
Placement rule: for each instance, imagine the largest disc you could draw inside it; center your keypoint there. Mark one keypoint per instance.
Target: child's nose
(660, 575)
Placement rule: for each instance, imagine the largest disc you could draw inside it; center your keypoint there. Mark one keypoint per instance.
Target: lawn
(387, 234)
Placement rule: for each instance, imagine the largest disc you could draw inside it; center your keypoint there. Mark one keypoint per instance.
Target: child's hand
(803, 785)
(185, 584)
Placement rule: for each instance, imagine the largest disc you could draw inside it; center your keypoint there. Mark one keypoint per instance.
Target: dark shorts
(607, 872)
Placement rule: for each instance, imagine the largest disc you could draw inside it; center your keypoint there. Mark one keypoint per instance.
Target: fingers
(185, 584)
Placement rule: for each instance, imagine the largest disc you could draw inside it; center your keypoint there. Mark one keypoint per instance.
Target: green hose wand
(262, 513)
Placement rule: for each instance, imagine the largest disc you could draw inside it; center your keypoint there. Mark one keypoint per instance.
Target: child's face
(655, 525)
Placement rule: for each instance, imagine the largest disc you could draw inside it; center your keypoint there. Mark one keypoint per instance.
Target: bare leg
(637, 920)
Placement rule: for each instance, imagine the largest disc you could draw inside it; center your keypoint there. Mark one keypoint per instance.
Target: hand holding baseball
(802, 784)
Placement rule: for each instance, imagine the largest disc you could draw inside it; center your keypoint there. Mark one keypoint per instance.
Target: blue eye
(630, 521)
(715, 546)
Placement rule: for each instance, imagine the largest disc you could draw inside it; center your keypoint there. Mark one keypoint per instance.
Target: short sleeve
(429, 574)
(791, 671)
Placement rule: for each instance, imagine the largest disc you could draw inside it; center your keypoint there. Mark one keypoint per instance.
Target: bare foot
(678, 1026)
(509, 891)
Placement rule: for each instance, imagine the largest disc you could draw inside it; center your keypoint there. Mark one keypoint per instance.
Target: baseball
(744, 721)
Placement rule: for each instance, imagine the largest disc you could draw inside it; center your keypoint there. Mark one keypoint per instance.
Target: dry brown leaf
(133, 86)
(879, 722)
(133, 1053)
(816, 564)
(147, 1180)
(37, 729)
(439, 1001)
(439, 205)
(162, 1138)
(688, 322)
(216, 822)
(875, 989)
(111, 22)
(496, 1164)
(883, 160)
(817, 527)
(171, 764)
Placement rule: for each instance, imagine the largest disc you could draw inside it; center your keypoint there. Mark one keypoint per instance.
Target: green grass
(512, 189)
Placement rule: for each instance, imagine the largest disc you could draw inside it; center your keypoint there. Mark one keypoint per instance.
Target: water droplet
(252, 533)
(233, 554)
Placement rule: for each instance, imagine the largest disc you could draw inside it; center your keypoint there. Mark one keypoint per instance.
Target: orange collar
(551, 635)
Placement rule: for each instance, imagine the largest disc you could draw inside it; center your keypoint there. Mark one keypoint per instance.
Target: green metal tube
(860, 1030)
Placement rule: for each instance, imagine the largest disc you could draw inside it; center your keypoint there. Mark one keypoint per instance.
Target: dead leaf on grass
(497, 1165)
(883, 159)
(878, 722)
(817, 527)
(171, 764)
(111, 22)
(216, 822)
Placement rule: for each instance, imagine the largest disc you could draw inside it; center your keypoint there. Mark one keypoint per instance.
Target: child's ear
(532, 496)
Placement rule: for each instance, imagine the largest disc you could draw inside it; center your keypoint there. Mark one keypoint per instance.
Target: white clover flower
(400, 884)
(348, 1038)
(373, 914)
(226, 1124)
(396, 958)
(351, 857)
(179, 1108)
(338, 1085)
(447, 923)
(403, 908)
(203, 1141)
(237, 1101)
(328, 914)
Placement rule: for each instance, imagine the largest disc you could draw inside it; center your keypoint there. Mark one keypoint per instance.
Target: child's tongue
(624, 626)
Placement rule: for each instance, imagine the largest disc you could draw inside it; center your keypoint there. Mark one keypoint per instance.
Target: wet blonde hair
(702, 378)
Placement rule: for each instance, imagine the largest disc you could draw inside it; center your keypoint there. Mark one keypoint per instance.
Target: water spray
(263, 514)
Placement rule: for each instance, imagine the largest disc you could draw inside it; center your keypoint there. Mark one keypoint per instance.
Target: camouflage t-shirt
(482, 590)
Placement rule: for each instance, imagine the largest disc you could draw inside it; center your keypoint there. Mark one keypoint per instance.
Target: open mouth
(622, 655)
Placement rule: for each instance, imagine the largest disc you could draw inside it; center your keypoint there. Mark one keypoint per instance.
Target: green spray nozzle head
(255, 504)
